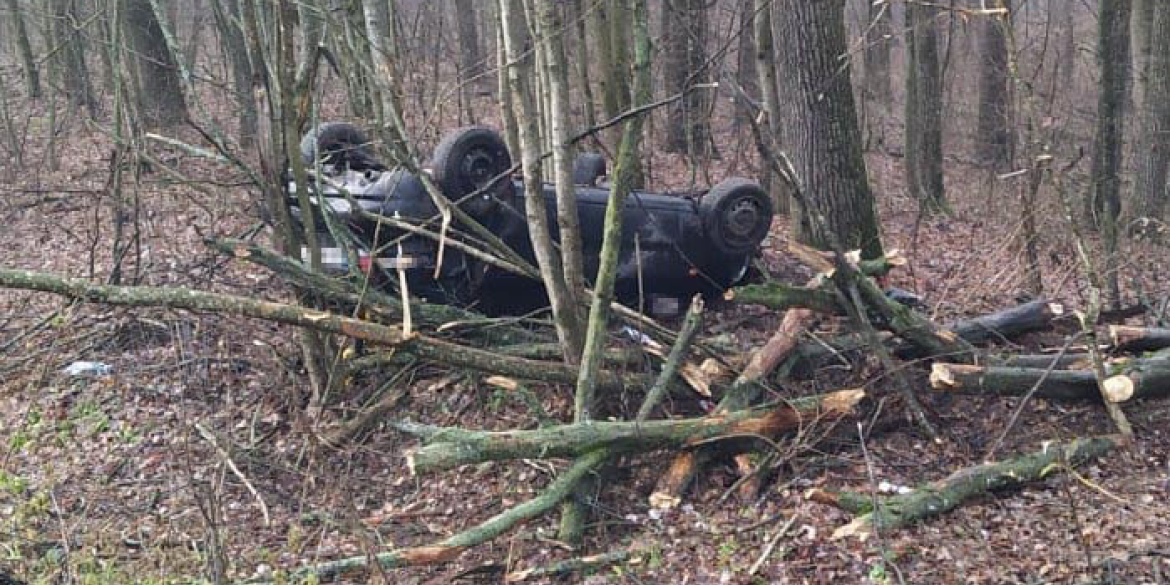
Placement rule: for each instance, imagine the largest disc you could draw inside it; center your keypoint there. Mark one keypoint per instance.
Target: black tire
(468, 159)
(736, 215)
(588, 168)
(341, 145)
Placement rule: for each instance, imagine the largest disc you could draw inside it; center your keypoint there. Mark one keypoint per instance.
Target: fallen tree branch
(568, 566)
(942, 496)
(452, 547)
(447, 448)
(419, 345)
(744, 391)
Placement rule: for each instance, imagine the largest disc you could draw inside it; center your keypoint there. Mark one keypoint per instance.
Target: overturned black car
(673, 246)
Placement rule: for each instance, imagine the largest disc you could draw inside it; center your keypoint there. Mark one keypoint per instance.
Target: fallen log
(781, 297)
(1139, 338)
(446, 448)
(1129, 379)
(1008, 323)
(940, 497)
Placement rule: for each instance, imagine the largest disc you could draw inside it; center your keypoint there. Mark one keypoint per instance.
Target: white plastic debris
(81, 368)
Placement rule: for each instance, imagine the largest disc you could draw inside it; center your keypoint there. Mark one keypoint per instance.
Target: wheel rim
(740, 222)
(479, 168)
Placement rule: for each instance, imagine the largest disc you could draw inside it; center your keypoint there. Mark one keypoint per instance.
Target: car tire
(588, 168)
(736, 215)
(336, 143)
(468, 159)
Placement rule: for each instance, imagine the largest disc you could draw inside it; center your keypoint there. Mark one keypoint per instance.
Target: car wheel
(736, 215)
(468, 159)
(341, 145)
(588, 168)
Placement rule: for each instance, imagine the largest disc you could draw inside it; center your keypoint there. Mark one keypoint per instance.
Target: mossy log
(942, 496)
(1068, 361)
(447, 448)
(781, 297)
(1139, 338)
(1129, 379)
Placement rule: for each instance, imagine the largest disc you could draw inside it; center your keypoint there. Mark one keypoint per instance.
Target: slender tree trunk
(765, 56)
(550, 25)
(580, 21)
(520, 75)
(822, 134)
(72, 70)
(231, 33)
(1142, 46)
(470, 53)
(683, 56)
(1153, 151)
(994, 131)
(746, 71)
(32, 75)
(879, 36)
(924, 172)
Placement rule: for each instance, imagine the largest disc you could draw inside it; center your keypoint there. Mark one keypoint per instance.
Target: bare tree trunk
(684, 54)
(552, 31)
(924, 172)
(231, 33)
(1105, 207)
(1153, 150)
(766, 70)
(470, 54)
(822, 133)
(878, 41)
(520, 74)
(580, 20)
(70, 57)
(746, 71)
(160, 99)
(32, 76)
(993, 135)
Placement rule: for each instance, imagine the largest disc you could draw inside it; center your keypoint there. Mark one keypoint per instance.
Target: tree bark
(70, 55)
(1153, 141)
(160, 97)
(822, 134)
(32, 75)
(994, 132)
(924, 171)
(683, 40)
(1113, 59)
(231, 34)
(878, 42)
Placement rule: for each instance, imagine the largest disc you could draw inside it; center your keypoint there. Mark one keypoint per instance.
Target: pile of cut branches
(749, 414)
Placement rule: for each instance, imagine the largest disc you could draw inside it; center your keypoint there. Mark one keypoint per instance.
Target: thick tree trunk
(1113, 59)
(994, 133)
(160, 99)
(470, 54)
(769, 90)
(822, 134)
(942, 496)
(1153, 141)
(924, 171)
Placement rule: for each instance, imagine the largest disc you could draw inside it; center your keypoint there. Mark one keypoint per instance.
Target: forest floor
(126, 477)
